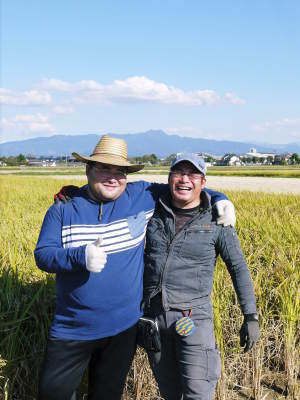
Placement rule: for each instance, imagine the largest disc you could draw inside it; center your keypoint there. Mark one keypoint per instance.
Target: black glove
(65, 194)
(249, 333)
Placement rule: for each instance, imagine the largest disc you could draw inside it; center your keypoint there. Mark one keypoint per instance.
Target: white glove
(226, 213)
(95, 257)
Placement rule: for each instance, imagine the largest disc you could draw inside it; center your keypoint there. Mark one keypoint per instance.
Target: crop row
(269, 231)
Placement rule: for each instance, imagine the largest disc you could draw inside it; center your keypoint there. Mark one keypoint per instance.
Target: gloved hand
(95, 256)
(65, 194)
(249, 333)
(226, 213)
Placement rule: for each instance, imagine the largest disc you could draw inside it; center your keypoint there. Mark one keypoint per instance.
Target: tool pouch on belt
(148, 335)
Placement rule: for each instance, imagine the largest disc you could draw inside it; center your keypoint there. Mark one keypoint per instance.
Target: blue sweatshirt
(96, 305)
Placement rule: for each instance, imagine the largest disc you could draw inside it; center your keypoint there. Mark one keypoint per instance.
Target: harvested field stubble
(269, 231)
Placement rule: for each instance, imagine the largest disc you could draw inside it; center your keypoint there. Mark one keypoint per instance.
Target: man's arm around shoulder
(223, 207)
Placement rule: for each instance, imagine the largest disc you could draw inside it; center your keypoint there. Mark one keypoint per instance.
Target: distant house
(230, 160)
(41, 163)
(282, 158)
(36, 163)
(262, 158)
(3, 164)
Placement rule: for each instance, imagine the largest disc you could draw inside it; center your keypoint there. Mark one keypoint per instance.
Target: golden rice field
(269, 230)
(271, 171)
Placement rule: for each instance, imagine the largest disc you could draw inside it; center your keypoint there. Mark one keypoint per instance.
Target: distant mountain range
(157, 142)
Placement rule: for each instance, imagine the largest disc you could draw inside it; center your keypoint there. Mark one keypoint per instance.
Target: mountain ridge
(152, 141)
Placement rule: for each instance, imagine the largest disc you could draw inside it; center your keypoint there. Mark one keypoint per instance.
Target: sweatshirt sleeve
(215, 196)
(228, 246)
(50, 255)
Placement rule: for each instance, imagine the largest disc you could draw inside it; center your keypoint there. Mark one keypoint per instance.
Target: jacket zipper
(171, 245)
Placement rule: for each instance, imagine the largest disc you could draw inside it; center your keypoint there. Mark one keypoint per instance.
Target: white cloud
(185, 130)
(26, 125)
(30, 118)
(63, 86)
(278, 124)
(138, 88)
(142, 88)
(63, 109)
(28, 98)
(233, 98)
(284, 130)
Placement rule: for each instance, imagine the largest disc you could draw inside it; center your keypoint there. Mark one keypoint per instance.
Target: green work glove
(249, 333)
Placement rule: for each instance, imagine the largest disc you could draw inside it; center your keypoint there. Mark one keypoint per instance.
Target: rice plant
(269, 230)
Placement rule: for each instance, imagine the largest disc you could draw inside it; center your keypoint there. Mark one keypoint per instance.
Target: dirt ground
(236, 183)
(253, 184)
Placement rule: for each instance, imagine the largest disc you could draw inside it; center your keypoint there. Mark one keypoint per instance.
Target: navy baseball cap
(193, 158)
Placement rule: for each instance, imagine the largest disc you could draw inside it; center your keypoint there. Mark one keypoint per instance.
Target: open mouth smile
(183, 188)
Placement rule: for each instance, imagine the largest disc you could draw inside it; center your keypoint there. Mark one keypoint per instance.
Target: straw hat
(110, 151)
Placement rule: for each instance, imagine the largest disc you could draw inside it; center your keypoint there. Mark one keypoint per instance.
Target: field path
(236, 183)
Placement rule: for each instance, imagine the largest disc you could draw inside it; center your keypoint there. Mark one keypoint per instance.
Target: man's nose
(184, 176)
(108, 177)
(112, 178)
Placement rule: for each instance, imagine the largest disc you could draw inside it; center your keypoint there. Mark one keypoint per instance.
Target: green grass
(269, 231)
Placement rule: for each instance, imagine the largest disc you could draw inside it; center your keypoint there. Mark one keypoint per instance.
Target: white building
(254, 153)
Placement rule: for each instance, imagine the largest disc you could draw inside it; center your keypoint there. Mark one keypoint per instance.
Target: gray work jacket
(181, 266)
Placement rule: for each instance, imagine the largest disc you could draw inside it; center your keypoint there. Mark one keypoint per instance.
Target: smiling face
(186, 184)
(105, 182)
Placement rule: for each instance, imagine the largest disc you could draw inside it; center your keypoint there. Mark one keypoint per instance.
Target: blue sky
(220, 69)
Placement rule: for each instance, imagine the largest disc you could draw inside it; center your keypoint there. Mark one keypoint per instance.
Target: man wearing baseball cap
(183, 241)
(95, 244)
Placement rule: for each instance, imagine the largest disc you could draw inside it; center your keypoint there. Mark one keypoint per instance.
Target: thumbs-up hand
(95, 256)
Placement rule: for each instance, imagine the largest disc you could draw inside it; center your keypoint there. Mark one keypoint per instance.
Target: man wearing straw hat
(95, 244)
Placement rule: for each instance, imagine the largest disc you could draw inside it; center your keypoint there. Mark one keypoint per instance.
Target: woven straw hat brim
(110, 159)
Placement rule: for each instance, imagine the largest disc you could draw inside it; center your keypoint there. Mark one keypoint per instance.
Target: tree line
(14, 160)
(152, 159)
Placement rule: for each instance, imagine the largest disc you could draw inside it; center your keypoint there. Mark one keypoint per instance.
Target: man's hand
(226, 213)
(249, 333)
(65, 194)
(95, 256)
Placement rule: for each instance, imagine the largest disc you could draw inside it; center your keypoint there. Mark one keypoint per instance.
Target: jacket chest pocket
(197, 243)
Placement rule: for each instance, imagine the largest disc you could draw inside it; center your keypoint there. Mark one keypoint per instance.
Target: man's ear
(169, 177)
(203, 183)
(87, 169)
